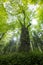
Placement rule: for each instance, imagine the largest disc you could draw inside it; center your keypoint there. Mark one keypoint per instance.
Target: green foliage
(39, 14)
(3, 18)
(41, 2)
(22, 59)
(20, 9)
(34, 1)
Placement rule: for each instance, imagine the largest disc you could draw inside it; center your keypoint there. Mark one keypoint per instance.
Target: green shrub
(31, 58)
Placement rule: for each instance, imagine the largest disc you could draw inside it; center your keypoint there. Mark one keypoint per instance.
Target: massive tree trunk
(24, 39)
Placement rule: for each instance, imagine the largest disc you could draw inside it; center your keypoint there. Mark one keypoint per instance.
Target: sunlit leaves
(25, 2)
(41, 2)
(3, 12)
(33, 1)
(3, 17)
(2, 1)
(39, 13)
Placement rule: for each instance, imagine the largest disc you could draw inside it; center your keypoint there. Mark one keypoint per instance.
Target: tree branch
(28, 25)
(2, 36)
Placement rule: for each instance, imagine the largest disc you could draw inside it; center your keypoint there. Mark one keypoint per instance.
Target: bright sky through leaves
(14, 38)
(34, 22)
(32, 7)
